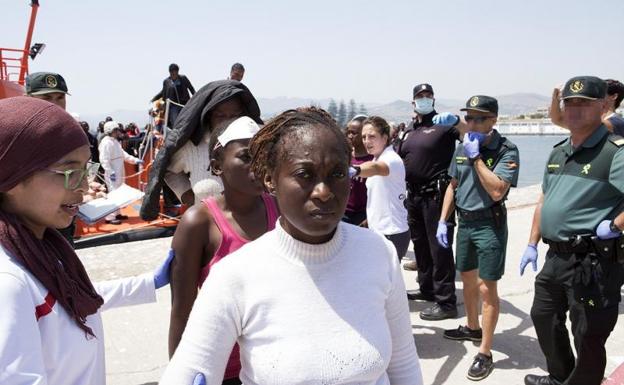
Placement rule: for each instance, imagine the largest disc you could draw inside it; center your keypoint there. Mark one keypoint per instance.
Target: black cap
(421, 88)
(586, 87)
(40, 83)
(482, 103)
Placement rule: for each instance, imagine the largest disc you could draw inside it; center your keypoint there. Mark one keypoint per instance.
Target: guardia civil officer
(580, 217)
(427, 148)
(48, 86)
(484, 167)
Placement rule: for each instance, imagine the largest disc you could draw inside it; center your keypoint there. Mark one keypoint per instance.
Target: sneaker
(420, 296)
(121, 217)
(436, 313)
(481, 367)
(464, 333)
(410, 266)
(113, 221)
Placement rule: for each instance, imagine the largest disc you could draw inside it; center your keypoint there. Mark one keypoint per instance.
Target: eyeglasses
(73, 178)
(478, 119)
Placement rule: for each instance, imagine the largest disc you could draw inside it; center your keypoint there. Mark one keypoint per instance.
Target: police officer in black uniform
(580, 216)
(427, 149)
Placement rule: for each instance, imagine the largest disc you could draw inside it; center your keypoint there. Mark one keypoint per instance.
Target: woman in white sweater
(315, 301)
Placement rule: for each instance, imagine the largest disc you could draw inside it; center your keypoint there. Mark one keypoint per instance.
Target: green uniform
(482, 241)
(582, 186)
(500, 155)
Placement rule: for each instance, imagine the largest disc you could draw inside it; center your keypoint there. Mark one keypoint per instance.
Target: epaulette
(617, 140)
(560, 143)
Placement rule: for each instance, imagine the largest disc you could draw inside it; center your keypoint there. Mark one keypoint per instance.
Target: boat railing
(12, 65)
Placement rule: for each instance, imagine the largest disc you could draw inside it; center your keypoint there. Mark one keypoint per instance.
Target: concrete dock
(136, 337)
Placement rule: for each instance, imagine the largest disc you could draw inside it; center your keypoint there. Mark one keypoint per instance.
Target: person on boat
(178, 89)
(184, 160)
(303, 302)
(385, 185)
(112, 157)
(237, 72)
(210, 231)
(50, 324)
(47, 86)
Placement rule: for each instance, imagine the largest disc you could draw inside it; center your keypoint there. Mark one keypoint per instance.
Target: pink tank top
(230, 242)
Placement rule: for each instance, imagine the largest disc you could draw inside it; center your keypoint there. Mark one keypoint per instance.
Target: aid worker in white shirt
(112, 158)
(385, 185)
(50, 324)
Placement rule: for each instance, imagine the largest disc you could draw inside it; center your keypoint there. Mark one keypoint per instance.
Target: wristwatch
(614, 228)
(472, 160)
(358, 170)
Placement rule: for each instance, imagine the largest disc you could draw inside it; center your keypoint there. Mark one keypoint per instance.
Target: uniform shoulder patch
(617, 140)
(509, 144)
(560, 143)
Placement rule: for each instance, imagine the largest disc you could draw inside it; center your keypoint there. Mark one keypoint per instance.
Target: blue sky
(114, 54)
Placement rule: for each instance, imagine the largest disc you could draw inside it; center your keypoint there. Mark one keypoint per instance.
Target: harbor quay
(136, 337)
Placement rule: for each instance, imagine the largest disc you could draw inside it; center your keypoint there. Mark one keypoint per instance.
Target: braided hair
(265, 145)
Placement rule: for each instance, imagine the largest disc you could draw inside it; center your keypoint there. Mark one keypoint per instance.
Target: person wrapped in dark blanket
(193, 123)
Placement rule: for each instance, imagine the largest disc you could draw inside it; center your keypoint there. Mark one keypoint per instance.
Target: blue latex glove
(161, 274)
(442, 234)
(140, 161)
(530, 255)
(112, 177)
(445, 119)
(471, 146)
(199, 379)
(478, 136)
(603, 231)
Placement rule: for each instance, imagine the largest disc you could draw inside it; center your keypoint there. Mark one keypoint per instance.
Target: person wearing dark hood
(175, 88)
(50, 324)
(185, 159)
(427, 148)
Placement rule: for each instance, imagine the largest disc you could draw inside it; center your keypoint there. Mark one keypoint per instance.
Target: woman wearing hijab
(50, 325)
(184, 162)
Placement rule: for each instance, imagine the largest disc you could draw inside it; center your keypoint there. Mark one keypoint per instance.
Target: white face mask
(423, 106)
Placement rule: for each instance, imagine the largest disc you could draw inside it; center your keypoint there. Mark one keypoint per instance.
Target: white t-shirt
(40, 343)
(385, 211)
(303, 314)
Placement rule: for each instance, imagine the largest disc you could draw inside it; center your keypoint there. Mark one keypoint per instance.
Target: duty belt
(433, 186)
(588, 243)
(488, 213)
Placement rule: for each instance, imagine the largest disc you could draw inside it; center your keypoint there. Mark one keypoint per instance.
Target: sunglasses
(477, 119)
(73, 178)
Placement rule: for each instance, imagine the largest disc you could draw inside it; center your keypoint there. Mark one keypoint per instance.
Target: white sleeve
(127, 291)
(404, 367)
(212, 329)
(21, 356)
(105, 155)
(129, 158)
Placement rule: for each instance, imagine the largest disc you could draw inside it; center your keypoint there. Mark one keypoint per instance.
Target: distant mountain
(397, 111)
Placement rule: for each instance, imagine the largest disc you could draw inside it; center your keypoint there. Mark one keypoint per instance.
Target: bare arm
(448, 205)
(555, 110)
(535, 234)
(189, 243)
(373, 168)
(493, 185)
